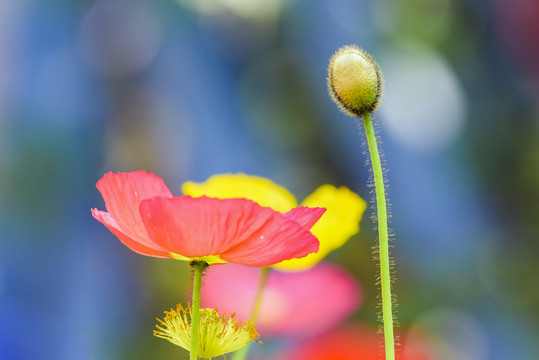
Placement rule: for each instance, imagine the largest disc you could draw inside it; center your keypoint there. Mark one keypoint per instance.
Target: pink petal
(106, 219)
(238, 230)
(305, 216)
(123, 193)
(295, 304)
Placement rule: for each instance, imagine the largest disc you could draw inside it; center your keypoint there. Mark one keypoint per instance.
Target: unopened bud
(355, 81)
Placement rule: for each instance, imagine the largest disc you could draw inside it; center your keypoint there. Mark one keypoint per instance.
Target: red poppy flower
(355, 342)
(145, 216)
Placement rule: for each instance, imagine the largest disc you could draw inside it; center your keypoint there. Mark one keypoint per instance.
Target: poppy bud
(355, 81)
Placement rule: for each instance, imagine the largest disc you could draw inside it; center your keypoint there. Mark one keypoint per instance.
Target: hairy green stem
(198, 268)
(381, 211)
(241, 354)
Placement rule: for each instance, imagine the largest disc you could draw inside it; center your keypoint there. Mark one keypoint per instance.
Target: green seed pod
(354, 81)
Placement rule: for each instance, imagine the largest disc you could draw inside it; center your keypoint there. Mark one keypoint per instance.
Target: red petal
(106, 219)
(305, 216)
(123, 193)
(239, 230)
(278, 240)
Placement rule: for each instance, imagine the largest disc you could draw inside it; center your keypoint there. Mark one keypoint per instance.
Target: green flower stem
(259, 293)
(385, 272)
(241, 354)
(198, 268)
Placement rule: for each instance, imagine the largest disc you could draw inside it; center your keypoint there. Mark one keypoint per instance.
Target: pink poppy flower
(297, 304)
(145, 216)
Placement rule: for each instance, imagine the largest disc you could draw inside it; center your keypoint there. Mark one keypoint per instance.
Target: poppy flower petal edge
(123, 192)
(279, 239)
(106, 219)
(305, 216)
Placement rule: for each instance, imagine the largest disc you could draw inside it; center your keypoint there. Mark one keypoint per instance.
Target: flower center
(218, 335)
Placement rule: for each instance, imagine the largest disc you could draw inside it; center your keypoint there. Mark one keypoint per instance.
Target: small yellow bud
(355, 81)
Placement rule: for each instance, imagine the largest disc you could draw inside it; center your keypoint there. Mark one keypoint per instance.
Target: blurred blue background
(191, 88)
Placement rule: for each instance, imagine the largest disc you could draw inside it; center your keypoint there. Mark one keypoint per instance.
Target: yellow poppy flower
(341, 220)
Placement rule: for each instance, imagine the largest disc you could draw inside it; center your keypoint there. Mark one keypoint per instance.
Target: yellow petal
(261, 190)
(340, 221)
